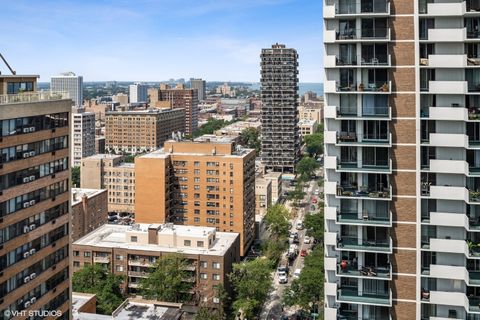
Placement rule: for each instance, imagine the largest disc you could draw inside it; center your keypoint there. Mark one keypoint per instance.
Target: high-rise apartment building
(109, 171)
(401, 159)
(141, 130)
(279, 93)
(138, 93)
(208, 182)
(71, 83)
(34, 199)
(201, 87)
(83, 133)
(187, 99)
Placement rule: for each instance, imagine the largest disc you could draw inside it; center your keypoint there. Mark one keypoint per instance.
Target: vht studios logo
(32, 313)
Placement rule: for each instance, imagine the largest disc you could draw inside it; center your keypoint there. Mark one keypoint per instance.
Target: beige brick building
(89, 211)
(142, 130)
(208, 182)
(106, 171)
(131, 250)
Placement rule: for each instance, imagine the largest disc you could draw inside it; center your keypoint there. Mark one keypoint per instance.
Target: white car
(307, 240)
(296, 274)
(317, 192)
(299, 225)
(282, 277)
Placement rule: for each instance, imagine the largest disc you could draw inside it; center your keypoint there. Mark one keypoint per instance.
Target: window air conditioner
(26, 229)
(32, 202)
(27, 304)
(32, 227)
(26, 179)
(26, 204)
(32, 251)
(26, 254)
(33, 275)
(26, 279)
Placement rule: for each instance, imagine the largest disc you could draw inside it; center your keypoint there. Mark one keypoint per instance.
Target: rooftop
(150, 111)
(104, 156)
(80, 192)
(28, 97)
(115, 236)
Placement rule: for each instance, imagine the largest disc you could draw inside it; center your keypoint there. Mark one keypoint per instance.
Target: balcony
(330, 238)
(447, 246)
(458, 299)
(447, 35)
(365, 219)
(373, 140)
(363, 245)
(138, 274)
(100, 259)
(356, 8)
(449, 166)
(471, 278)
(446, 113)
(354, 295)
(381, 61)
(447, 87)
(368, 35)
(454, 140)
(140, 262)
(449, 193)
(381, 167)
(365, 192)
(29, 97)
(369, 272)
(446, 9)
(351, 113)
(330, 264)
(445, 61)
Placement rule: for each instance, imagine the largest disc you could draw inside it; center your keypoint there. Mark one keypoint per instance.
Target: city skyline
(122, 41)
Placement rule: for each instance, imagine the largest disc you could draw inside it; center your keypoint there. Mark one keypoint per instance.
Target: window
(119, 257)
(76, 263)
(200, 244)
(196, 219)
(216, 265)
(196, 211)
(86, 254)
(203, 264)
(133, 238)
(216, 277)
(196, 163)
(187, 243)
(203, 276)
(76, 253)
(119, 268)
(196, 179)
(196, 171)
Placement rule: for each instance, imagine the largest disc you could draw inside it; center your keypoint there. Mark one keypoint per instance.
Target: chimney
(153, 234)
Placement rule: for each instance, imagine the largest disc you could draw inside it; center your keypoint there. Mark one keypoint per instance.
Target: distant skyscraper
(279, 93)
(138, 93)
(71, 83)
(200, 85)
(83, 132)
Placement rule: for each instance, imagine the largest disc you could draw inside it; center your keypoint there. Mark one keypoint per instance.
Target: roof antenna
(6, 63)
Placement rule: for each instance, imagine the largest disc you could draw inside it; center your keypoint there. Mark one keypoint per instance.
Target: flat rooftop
(80, 192)
(104, 156)
(114, 236)
(142, 112)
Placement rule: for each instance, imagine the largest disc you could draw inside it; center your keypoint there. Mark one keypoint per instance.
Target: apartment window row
(18, 87)
(30, 199)
(32, 247)
(28, 175)
(33, 271)
(36, 293)
(204, 276)
(28, 150)
(204, 264)
(188, 243)
(58, 301)
(31, 124)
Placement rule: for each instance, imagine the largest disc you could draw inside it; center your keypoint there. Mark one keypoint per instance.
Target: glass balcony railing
(365, 271)
(353, 137)
(377, 191)
(363, 34)
(376, 245)
(358, 7)
(365, 219)
(354, 295)
(377, 60)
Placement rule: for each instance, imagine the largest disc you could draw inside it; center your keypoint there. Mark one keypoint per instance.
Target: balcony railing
(365, 219)
(357, 7)
(348, 294)
(365, 271)
(363, 34)
(378, 191)
(33, 97)
(353, 137)
(371, 86)
(353, 243)
(377, 60)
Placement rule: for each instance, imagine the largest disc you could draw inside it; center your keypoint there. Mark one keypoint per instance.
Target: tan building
(208, 182)
(276, 179)
(131, 250)
(263, 195)
(121, 98)
(106, 171)
(311, 111)
(142, 130)
(178, 97)
(34, 198)
(89, 211)
(307, 127)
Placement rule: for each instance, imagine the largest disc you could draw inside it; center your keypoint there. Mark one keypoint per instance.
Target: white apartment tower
(83, 133)
(402, 159)
(71, 83)
(200, 85)
(138, 92)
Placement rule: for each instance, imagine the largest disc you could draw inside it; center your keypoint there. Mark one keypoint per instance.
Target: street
(272, 309)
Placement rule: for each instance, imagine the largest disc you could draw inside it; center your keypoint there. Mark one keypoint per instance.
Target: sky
(154, 40)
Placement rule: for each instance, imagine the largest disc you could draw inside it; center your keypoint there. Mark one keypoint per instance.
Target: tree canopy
(314, 142)
(306, 167)
(250, 138)
(168, 280)
(251, 282)
(276, 220)
(211, 126)
(97, 279)
(76, 177)
(314, 224)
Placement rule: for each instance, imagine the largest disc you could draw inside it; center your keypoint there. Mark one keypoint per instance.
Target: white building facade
(71, 83)
(138, 93)
(83, 136)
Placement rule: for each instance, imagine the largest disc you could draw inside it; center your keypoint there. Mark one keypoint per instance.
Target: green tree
(314, 224)
(251, 282)
(276, 221)
(306, 167)
(76, 176)
(211, 126)
(167, 280)
(97, 279)
(297, 194)
(250, 137)
(314, 144)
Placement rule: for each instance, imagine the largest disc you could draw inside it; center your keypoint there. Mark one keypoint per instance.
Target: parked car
(300, 225)
(317, 192)
(303, 253)
(282, 277)
(307, 240)
(296, 273)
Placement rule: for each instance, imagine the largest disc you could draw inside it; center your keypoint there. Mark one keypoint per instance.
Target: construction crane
(6, 63)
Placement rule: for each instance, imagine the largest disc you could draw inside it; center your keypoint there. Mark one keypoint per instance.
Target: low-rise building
(276, 179)
(236, 128)
(263, 195)
(307, 127)
(108, 171)
(141, 130)
(89, 211)
(311, 111)
(132, 250)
